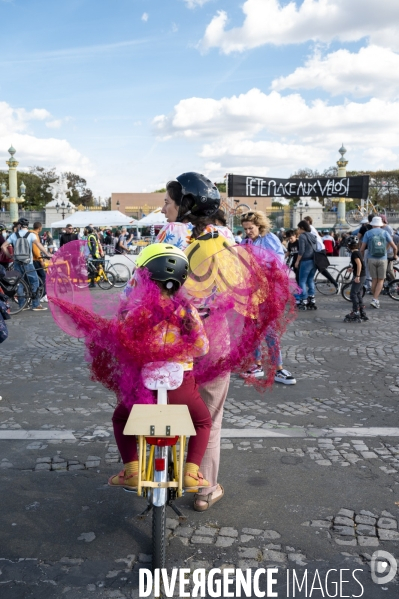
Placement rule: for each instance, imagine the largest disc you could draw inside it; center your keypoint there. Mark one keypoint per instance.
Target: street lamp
(117, 204)
(10, 196)
(64, 208)
(255, 205)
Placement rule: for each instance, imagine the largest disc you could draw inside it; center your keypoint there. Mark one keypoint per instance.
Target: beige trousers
(214, 395)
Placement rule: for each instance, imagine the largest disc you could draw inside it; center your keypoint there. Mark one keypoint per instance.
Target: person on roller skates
(307, 268)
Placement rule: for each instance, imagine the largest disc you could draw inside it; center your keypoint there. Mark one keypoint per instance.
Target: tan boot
(129, 477)
(193, 479)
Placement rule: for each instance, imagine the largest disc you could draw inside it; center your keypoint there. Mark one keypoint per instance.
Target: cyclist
(96, 254)
(178, 332)
(24, 262)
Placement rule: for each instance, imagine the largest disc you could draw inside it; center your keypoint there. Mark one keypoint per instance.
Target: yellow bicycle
(163, 429)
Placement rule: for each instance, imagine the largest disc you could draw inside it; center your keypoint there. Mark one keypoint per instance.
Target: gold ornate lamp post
(12, 197)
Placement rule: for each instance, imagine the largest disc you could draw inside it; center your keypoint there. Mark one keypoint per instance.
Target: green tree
(384, 187)
(36, 195)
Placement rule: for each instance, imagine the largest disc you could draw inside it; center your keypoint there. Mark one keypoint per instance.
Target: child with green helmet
(179, 327)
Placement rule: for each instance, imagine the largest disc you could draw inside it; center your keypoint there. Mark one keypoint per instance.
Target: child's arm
(358, 268)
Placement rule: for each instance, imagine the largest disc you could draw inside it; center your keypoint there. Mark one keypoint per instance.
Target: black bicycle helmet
(166, 263)
(89, 230)
(23, 222)
(203, 195)
(352, 240)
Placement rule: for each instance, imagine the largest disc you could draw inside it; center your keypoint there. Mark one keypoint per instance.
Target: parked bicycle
(345, 278)
(120, 272)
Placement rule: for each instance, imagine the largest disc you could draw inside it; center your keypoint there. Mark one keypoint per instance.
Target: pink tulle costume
(239, 292)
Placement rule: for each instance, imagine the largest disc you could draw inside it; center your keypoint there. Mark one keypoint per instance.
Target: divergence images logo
(383, 567)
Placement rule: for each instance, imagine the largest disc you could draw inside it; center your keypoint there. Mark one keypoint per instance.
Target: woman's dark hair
(175, 191)
(289, 233)
(220, 216)
(304, 225)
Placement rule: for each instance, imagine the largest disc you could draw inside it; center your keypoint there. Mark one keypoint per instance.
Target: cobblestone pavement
(296, 500)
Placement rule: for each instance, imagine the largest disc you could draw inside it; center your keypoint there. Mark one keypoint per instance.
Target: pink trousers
(187, 394)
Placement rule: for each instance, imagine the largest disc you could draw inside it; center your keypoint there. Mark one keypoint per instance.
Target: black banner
(330, 187)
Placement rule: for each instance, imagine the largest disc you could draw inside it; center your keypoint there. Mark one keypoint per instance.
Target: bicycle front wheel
(107, 280)
(393, 289)
(158, 536)
(323, 285)
(121, 274)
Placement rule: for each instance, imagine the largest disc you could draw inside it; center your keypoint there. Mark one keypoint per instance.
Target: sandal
(207, 499)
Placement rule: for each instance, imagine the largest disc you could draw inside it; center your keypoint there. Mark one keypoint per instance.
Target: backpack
(22, 251)
(377, 245)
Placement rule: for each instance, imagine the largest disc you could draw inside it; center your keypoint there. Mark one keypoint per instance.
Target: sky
(130, 94)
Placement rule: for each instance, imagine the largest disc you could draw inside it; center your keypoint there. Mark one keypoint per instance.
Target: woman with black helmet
(191, 202)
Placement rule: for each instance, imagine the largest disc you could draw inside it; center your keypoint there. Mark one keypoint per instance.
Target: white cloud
(195, 3)
(144, 17)
(258, 130)
(32, 150)
(55, 124)
(272, 22)
(373, 71)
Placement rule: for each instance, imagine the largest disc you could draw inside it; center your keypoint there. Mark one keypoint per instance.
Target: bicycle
(345, 281)
(162, 427)
(323, 285)
(120, 272)
(353, 217)
(17, 287)
(96, 273)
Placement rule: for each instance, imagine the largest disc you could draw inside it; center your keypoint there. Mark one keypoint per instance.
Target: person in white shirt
(320, 248)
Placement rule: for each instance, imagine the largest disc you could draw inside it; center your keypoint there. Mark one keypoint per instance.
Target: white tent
(154, 218)
(97, 218)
